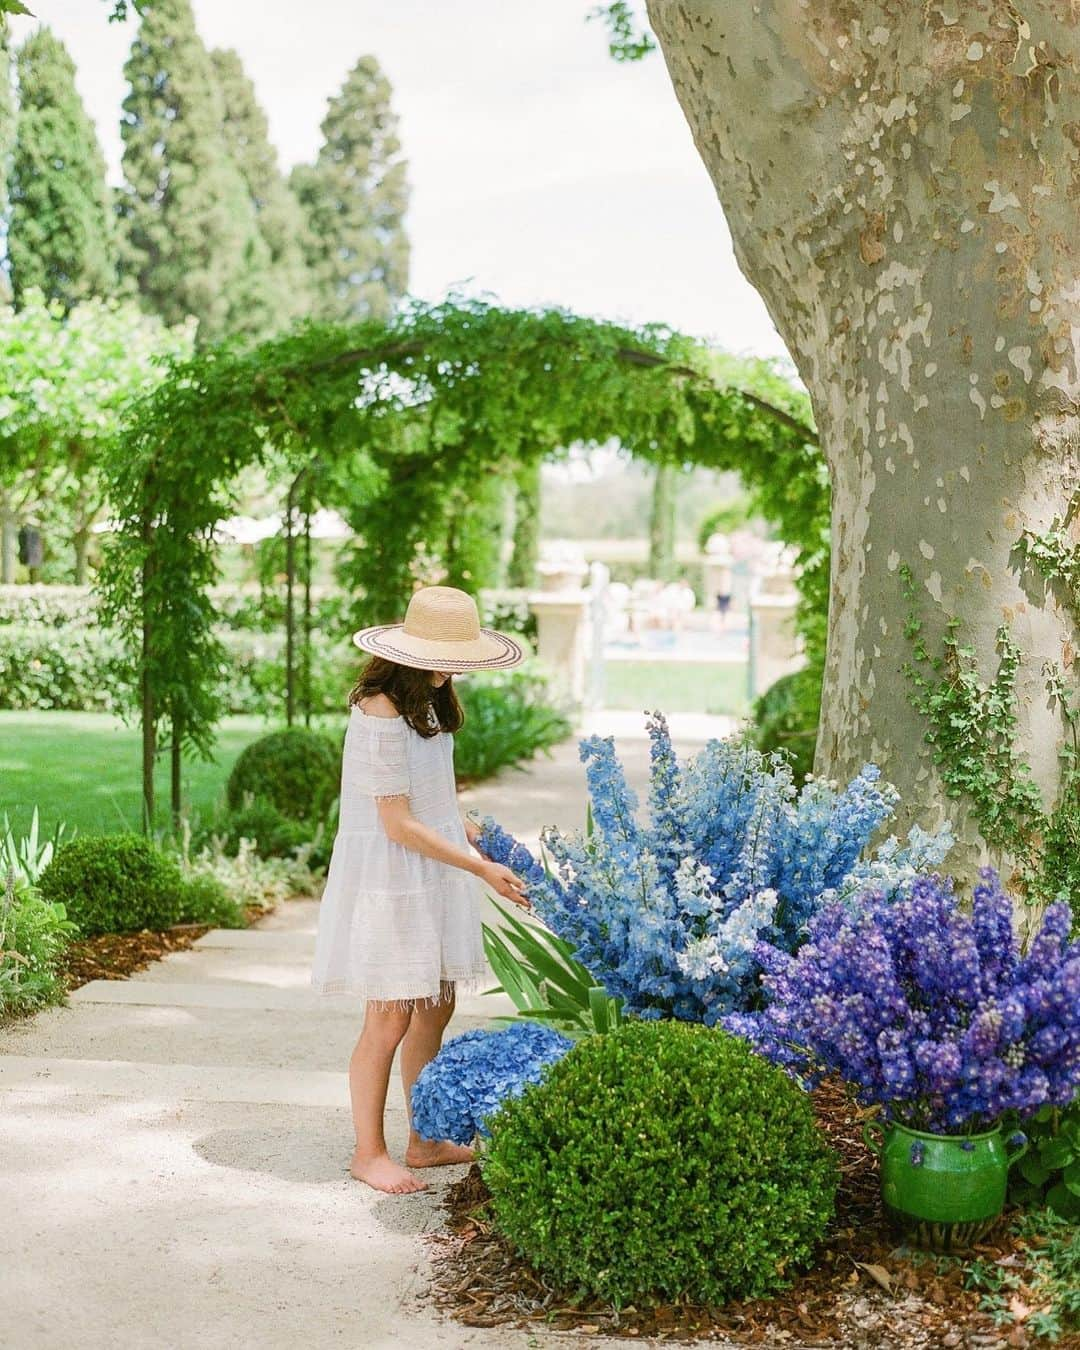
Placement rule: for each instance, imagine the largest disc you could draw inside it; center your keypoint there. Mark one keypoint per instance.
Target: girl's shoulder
(378, 714)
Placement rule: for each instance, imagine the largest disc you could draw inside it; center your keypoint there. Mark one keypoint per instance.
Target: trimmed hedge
(662, 1160)
(78, 669)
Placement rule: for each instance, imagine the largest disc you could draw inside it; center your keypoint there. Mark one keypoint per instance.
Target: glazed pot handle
(1019, 1142)
(873, 1143)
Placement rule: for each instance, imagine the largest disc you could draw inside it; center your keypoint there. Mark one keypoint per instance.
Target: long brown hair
(411, 692)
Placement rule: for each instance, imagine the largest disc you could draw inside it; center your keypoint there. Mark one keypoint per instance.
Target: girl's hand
(473, 833)
(505, 883)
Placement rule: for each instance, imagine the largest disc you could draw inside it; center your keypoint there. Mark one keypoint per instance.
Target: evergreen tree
(355, 197)
(7, 141)
(280, 218)
(193, 238)
(61, 235)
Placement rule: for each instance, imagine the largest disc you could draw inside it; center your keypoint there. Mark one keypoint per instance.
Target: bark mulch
(115, 956)
(867, 1291)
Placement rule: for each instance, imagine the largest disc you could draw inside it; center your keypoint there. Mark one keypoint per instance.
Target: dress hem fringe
(450, 985)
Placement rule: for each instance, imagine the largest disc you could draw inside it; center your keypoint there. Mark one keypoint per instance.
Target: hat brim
(492, 650)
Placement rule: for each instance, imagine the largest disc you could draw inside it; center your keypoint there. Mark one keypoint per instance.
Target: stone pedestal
(558, 575)
(561, 637)
(774, 646)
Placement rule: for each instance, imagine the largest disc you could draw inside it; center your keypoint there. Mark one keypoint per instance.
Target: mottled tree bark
(902, 184)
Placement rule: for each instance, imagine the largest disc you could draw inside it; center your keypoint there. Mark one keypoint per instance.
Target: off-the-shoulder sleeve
(379, 760)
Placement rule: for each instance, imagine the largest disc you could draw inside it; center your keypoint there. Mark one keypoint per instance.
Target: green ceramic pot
(945, 1190)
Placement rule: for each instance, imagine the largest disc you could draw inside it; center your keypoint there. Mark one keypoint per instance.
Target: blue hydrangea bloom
(667, 913)
(475, 1072)
(932, 1013)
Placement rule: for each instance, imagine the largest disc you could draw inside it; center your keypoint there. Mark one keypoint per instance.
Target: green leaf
(1062, 1201)
(1057, 1153)
(599, 1009)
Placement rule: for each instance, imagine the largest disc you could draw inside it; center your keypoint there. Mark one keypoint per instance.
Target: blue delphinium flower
(666, 913)
(928, 1011)
(475, 1072)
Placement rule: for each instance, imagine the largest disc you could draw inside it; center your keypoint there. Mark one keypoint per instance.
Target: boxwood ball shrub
(296, 769)
(662, 1160)
(114, 883)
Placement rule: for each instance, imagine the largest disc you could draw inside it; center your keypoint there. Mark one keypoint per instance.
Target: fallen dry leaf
(878, 1274)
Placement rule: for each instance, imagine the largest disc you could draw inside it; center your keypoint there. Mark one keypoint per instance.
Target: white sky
(542, 171)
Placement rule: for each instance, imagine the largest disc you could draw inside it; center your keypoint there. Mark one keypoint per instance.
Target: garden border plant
(462, 389)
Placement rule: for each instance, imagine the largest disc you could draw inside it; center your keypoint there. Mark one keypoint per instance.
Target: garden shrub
(508, 718)
(258, 819)
(33, 935)
(786, 718)
(253, 679)
(49, 605)
(295, 769)
(114, 883)
(662, 1160)
(78, 669)
(1049, 1173)
(205, 900)
(247, 878)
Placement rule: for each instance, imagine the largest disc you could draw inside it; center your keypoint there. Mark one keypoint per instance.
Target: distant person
(724, 593)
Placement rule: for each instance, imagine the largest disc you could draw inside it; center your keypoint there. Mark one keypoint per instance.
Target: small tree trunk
(148, 709)
(9, 543)
(662, 522)
(175, 782)
(82, 548)
(526, 554)
(901, 184)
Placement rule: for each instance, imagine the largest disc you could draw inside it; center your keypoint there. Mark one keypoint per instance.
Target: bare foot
(438, 1153)
(383, 1174)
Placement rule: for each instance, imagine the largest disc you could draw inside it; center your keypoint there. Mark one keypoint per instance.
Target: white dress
(394, 923)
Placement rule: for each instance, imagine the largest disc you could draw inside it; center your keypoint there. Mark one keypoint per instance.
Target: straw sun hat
(441, 631)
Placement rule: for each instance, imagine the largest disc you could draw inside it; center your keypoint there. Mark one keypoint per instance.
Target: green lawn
(85, 769)
(677, 686)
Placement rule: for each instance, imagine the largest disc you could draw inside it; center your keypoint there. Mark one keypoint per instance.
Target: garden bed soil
(115, 956)
(867, 1292)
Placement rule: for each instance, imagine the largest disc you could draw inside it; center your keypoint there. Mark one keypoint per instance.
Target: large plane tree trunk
(902, 185)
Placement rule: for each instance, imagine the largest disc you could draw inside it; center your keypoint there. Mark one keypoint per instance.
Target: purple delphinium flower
(928, 1011)
(474, 1073)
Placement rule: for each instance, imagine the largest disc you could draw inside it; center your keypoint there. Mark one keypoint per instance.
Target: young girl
(399, 922)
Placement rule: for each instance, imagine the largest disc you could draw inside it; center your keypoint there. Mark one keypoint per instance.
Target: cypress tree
(355, 196)
(192, 235)
(61, 236)
(7, 141)
(280, 219)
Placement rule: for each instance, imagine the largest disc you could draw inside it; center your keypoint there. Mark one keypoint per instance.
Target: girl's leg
(385, 1027)
(422, 1044)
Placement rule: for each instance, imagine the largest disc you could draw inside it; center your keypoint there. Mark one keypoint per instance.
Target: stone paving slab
(259, 940)
(149, 1033)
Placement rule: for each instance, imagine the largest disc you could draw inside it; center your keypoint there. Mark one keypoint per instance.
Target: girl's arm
(402, 827)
